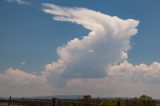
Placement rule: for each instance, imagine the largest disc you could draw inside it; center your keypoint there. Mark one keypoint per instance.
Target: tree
(146, 101)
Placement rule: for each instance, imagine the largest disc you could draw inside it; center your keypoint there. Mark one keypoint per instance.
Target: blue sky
(29, 37)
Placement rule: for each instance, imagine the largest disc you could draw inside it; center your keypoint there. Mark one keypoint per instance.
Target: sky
(103, 48)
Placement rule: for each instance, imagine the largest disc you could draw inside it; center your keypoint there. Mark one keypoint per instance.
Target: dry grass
(6, 104)
(3, 104)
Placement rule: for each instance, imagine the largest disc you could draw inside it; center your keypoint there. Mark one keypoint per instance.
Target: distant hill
(59, 97)
(2, 98)
(68, 96)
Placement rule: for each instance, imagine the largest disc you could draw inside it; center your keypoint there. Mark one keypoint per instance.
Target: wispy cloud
(23, 63)
(18, 1)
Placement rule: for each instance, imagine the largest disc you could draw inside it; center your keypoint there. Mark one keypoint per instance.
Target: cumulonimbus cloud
(107, 42)
(100, 58)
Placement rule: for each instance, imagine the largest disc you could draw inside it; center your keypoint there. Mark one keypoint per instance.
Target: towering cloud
(97, 63)
(107, 42)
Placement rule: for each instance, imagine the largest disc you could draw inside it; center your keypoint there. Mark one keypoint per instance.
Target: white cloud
(107, 42)
(137, 73)
(16, 82)
(23, 63)
(124, 79)
(18, 1)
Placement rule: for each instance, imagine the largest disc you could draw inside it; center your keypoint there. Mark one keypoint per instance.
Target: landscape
(79, 53)
(86, 100)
